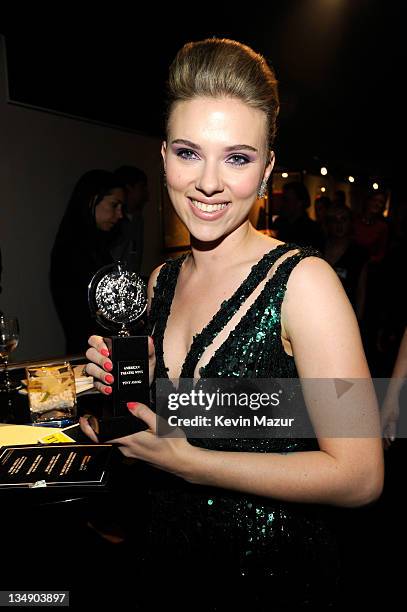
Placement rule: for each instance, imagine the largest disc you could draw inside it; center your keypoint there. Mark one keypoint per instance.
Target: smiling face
(215, 159)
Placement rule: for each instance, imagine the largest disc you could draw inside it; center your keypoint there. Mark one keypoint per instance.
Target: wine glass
(9, 336)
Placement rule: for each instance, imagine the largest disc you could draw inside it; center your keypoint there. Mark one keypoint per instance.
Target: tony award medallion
(117, 299)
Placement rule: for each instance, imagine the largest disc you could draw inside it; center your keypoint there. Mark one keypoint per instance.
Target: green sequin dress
(225, 531)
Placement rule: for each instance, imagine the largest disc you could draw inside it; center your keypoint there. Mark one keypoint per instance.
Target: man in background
(132, 244)
(293, 224)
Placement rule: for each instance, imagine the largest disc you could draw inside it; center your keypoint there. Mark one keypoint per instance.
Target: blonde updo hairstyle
(218, 68)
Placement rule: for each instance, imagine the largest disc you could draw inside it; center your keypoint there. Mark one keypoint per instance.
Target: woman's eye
(238, 160)
(186, 154)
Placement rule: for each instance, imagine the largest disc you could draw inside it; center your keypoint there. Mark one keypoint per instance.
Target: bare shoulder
(154, 275)
(152, 281)
(312, 267)
(313, 278)
(320, 324)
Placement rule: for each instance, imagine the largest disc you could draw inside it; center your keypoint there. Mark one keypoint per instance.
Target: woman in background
(88, 230)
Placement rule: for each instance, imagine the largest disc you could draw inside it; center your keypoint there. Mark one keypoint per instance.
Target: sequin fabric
(247, 534)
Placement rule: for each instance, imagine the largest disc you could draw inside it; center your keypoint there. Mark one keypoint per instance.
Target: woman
(390, 412)
(83, 244)
(241, 304)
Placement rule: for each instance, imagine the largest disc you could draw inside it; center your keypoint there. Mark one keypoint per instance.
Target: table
(46, 541)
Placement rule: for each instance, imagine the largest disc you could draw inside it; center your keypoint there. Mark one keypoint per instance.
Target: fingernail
(104, 352)
(108, 390)
(108, 366)
(131, 405)
(109, 378)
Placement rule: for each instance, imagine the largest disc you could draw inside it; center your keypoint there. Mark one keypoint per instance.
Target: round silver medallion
(117, 297)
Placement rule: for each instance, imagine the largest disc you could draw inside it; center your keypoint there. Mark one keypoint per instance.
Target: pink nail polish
(109, 379)
(108, 366)
(104, 352)
(108, 390)
(131, 405)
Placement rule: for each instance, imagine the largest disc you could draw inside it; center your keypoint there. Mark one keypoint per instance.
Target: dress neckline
(204, 337)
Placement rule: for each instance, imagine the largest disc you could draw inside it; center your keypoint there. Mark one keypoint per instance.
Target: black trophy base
(111, 428)
(129, 356)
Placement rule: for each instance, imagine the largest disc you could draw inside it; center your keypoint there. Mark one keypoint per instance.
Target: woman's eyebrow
(187, 143)
(193, 145)
(241, 147)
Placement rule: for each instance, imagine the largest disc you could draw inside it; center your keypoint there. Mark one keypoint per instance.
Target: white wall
(41, 157)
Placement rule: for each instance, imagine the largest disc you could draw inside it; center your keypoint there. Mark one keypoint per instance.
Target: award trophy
(117, 299)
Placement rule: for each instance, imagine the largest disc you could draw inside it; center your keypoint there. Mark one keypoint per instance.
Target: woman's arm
(399, 373)
(390, 409)
(322, 329)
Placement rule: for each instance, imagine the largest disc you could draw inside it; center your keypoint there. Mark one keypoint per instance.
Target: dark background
(341, 66)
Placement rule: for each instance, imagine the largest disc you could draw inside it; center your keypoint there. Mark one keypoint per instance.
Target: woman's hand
(389, 415)
(168, 452)
(100, 366)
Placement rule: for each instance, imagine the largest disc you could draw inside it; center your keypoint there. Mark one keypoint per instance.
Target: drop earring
(263, 188)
